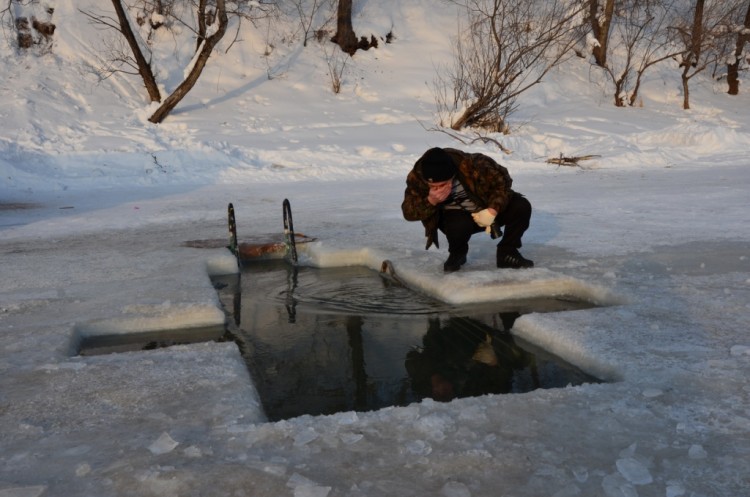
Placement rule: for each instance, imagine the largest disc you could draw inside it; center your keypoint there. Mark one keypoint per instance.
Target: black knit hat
(437, 165)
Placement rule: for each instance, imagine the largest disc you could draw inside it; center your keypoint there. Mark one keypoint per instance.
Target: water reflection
(462, 357)
(320, 341)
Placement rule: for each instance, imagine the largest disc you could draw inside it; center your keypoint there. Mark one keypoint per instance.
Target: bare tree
(137, 33)
(137, 57)
(508, 47)
(336, 61)
(639, 39)
(655, 48)
(209, 25)
(307, 11)
(143, 65)
(733, 67)
(703, 38)
(199, 63)
(206, 15)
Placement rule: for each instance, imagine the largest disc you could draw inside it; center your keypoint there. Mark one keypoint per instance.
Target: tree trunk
(692, 58)
(733, 69)
(201, 24)
(697, 33)
(619, 89)
(601, 30)
(200, 62)
(636, 89)
(468, 116)
(144, 67)
(345, 37)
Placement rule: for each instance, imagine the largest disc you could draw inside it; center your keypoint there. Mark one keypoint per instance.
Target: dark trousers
(458, 225)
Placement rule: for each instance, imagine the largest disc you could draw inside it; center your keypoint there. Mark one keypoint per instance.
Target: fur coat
(487, 183)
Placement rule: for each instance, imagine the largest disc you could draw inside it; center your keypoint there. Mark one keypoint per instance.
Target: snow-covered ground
(96, 204)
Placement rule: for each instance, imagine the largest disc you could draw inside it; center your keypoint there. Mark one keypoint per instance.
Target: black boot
(509, 257)
(454, 262)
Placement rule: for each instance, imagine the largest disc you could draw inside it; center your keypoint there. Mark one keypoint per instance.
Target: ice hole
(324, 340)
(99, 343)
(148, 327)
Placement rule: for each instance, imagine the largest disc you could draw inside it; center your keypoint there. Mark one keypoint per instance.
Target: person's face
(440, 185)
(442, 389)
(439, 191)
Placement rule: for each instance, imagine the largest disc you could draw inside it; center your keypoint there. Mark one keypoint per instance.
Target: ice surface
(455, 489)
(304, 487)
(34, 491)
(697, 451)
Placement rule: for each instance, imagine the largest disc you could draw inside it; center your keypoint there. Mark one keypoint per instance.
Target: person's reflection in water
(464, 358)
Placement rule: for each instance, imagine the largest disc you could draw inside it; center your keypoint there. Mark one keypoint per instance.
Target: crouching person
(462, 194)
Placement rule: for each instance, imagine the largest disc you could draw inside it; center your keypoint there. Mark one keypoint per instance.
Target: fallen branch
(486, 139)
(570, 161)
(469, 141)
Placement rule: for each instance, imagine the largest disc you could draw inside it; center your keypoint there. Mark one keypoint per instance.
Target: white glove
(483, 218)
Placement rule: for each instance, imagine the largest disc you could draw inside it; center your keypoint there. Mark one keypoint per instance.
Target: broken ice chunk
(163, 444)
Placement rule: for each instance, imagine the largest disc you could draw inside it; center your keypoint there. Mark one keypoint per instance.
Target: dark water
(320, 341)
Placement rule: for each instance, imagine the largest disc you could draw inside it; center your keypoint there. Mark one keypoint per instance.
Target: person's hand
(439, 192)
(484, 218)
